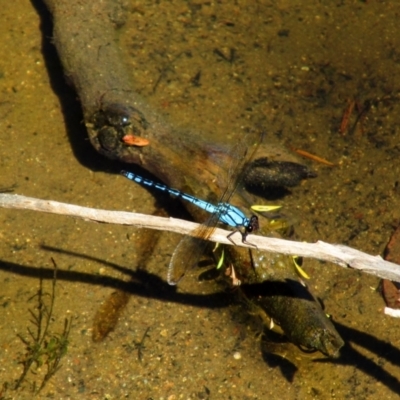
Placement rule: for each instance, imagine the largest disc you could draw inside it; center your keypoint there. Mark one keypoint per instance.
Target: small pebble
(237, 355)
(164, 333)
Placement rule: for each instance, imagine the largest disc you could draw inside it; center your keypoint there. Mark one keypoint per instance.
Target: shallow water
(293, 69)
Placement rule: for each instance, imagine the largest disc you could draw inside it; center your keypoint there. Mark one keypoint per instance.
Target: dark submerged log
(84, 35)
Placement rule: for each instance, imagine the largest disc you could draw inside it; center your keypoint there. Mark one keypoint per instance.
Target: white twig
(338, 254)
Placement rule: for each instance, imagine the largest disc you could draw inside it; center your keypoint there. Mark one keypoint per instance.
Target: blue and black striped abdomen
(227, 213)
(211, 208)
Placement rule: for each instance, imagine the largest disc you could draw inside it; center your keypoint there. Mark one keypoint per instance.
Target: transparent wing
(242, 153)
(190, 249)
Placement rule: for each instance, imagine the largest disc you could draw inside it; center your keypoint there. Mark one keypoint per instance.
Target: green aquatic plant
(44, 349)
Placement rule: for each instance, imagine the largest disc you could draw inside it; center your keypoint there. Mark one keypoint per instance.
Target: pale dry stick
(335, 253)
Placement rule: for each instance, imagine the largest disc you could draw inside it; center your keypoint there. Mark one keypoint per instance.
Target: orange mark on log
(131, 140)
